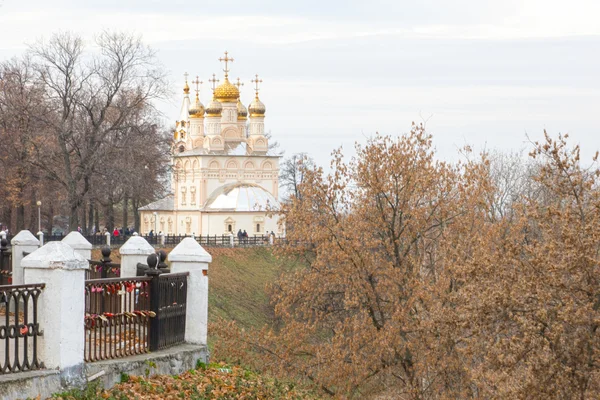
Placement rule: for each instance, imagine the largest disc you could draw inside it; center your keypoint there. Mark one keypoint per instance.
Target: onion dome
(214, 108)
(242, 111)
(197, 109)
(227, 92)
(257, 108)
(186, 88)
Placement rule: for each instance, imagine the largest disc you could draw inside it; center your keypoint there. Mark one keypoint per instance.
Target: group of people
(122, 231)
(241, 235)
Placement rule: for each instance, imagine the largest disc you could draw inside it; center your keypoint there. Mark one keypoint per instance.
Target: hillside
(237, 280)
(237, 284)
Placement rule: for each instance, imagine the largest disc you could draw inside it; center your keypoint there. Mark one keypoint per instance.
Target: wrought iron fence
(104, 268)
(19, 328)
(169, 294)
(225, 240)
(117, 318)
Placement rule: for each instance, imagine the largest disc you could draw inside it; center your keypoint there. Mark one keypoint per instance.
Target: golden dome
(197, 109)
(214, 108)
(186, 88)
(227, 92)
(257, 108)
(242, 111)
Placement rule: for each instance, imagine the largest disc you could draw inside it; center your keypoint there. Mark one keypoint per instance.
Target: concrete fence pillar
(161, 237)
(61, 306)
(190, 256)
(41, 237)
(107, 234)
(24, 241)
(79, 244)
(135, 250)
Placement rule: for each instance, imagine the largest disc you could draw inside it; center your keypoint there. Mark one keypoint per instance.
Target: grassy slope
(237, 280)
(237, 284)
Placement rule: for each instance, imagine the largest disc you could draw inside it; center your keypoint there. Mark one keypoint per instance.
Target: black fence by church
(173, 240)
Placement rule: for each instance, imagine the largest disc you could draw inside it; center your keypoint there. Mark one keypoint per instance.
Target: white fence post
(61, 306)
(162, 238)
(190, 257)
(24, 241)
(41, 238)
(79, 244)
(135, 250)
(107, 234)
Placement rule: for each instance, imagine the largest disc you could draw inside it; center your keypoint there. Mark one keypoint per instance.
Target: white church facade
(223, 177)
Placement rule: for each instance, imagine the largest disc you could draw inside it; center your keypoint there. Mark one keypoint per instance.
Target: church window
(181, 149)
(258, 228)
(229, 228)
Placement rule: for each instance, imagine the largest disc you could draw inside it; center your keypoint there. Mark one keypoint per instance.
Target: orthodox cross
(214, 81)
(239, 83)
(197, 83)
(256, 82)
(226, 60)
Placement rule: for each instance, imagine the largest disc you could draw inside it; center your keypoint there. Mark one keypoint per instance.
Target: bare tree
(20, 106)
(91, 98)
(292, 173)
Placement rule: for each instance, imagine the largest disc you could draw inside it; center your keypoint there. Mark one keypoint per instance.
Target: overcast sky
(485, 73)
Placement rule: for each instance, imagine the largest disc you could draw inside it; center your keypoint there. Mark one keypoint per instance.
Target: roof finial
(214, 81)
(197, 82)
(239, 83)
(227, 60)
(186, 88)
(256, 82)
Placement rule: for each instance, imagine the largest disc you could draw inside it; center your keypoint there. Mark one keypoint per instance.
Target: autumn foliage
(415, 287)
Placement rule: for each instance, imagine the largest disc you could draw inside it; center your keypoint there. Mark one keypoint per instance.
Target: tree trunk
(91, 226)
(136, 215)
(50, 217)
(83, 219)
(20, 217)
(73, 208)
(97, 217)
(125, 216)
(109, 216)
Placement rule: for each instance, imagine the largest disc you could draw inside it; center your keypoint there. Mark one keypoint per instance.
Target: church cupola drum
(224, 178)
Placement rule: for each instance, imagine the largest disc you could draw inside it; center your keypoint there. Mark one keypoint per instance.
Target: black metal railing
(117, 318)
(5, 263)
(170, 295)
(19, 328)
(103, 268)
(224, 240)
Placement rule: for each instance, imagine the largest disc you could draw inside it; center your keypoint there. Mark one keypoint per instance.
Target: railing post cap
(136, 245)
(40, 233)
(25, 238)
(55, 255)
(189, 250)
(107, 233)
(77, 241)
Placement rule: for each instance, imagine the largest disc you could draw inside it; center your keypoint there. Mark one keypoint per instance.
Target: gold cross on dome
(239, 83)
(197, 82)
(256, 82)
(214, 81)
(226, 60)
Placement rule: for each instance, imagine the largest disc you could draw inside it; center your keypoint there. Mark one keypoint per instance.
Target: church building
(223, 178)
